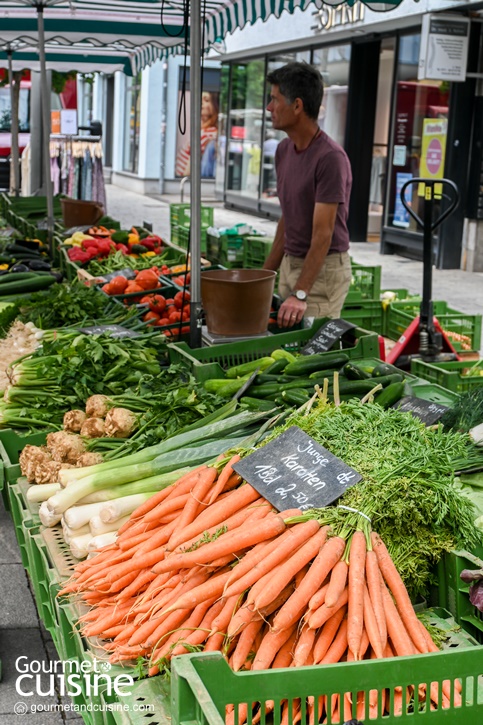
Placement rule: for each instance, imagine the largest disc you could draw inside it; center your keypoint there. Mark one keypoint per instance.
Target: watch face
(301, 295)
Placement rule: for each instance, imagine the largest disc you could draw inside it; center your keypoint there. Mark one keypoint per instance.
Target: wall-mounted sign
(401, 215)
(433, 148)
(444, 47)
(328, 17)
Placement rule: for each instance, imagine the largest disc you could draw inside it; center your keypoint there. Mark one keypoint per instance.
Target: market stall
(132, 465)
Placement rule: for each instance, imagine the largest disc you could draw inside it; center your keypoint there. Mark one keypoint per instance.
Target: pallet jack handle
(431, 189)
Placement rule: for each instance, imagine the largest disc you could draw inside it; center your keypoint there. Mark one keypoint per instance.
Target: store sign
(444, 48)
(401, 215)
(425, 410)
(328, 17)
(433, 148)
(326, 336)
(68, 122)
(295, 471)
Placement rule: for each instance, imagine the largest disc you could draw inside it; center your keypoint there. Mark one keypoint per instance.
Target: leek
(70, 534)
(98, 542)
(150, 485)
(166, 463)
(119, 507)
(99, 527)
(37, 493)
(79, 544)
(77, 516)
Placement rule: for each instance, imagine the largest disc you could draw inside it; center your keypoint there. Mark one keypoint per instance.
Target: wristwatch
(300, 295)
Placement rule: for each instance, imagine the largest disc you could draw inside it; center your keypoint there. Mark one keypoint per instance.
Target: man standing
(314, 181)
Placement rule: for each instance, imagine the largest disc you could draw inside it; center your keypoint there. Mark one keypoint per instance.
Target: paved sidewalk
(461, 290)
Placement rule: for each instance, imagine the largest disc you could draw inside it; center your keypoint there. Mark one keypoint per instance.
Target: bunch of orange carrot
(208, 564)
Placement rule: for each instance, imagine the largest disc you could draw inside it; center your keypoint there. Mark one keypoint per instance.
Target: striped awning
(142, 30)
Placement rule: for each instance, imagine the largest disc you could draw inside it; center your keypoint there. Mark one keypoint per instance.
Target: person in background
(314, 182)
(209, 131)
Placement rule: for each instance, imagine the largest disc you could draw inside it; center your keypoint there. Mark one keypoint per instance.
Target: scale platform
(208, 338)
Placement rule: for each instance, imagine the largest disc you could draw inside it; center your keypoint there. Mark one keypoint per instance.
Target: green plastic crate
(202, 685)
(148, 704)
(11, 445)
(448, 374)
(183, 238)
(453, 593)
(367, 314)
(208, 362)
(399, 316)
(365, 283)
(226, 249)
(184, 216)
(255, 251)
(24, 515)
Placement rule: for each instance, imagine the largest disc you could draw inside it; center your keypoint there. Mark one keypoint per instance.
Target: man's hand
(291, 312)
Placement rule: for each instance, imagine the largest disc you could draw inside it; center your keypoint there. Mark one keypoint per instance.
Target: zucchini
(277, 367)
(321, 374)
(304, 365)
(16, 277)
(27, 285)
(223, 387)
(390, 395)
(249, 367)
(263, 391)
(354, 387)
(386, 380)
(297, 396)
(256, 403)
(383, 369)
(266, 378)
(18, 249)
(352, 372)
(281, 354)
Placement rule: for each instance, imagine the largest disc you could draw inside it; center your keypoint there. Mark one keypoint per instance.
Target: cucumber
(304, 365)
(27, 285)
(352, 372)
(266, 378)
(354, 387)
(321, 374)
(224, 388)
(16, 276)
(263, 391)
(390, 395)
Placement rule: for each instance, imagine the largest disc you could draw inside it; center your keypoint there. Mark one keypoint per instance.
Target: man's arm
(274, 259)
(292, 310)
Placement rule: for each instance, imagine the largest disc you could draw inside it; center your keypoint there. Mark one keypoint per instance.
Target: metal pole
(14, 97)
(426, 303)
(46, 129)
(195, 197)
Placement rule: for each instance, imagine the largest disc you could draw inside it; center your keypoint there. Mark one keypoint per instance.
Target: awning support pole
(14, 165)
(46, 129)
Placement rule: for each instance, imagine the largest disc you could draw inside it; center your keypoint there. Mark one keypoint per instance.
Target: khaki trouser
(329, 290)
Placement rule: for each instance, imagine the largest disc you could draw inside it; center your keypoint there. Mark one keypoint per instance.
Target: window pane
(419, 132)
(222, 128)
(333, 64)
(245, 128)
(133, 116)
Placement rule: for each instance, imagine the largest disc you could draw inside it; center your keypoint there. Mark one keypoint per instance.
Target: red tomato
(152, 317)
(175, 316)
(157, 304)
(180, 298)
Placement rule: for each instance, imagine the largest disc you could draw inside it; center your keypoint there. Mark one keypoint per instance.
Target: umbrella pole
(14, 92)
(195, 143)
(46, 129)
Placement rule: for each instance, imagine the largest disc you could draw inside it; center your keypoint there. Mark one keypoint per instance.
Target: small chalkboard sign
(425, 410)
(293, 471)
(127, 273)
(325, 338)
(113, 330)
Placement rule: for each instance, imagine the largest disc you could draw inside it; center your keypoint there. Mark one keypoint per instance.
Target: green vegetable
(277, 367)
(249, 367)
(354, 387)
(390, 395)
(120, 237)
(138, 249)
(297, 396)
(385, 380)
(352, 372)
(306, 364)
(225, 388)
(16, 277)
(256, 403)
(281, 354)
(383, 369)
(23, 285)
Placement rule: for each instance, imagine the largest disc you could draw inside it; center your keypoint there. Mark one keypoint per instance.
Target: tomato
(181, 297)
(145, 300)
(118, 285)
(163, 321)
(175, 316)
(157, 304)
(152, 317)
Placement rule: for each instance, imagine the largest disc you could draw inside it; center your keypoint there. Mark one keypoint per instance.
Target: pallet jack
(424, 338)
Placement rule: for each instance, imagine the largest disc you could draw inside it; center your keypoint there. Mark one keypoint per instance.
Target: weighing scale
(424, 338)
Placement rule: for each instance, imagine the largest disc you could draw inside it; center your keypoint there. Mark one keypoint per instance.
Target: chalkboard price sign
(114, 330)
(425, 410)
(325, 338)
(293, 471)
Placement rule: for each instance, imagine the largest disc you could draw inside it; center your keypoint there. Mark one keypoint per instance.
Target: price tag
(326, 336)
(113, 330)
(293, 471)
(127, 273)
(425, 410)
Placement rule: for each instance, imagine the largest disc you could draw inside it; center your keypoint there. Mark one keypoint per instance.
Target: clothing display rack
(76, 167)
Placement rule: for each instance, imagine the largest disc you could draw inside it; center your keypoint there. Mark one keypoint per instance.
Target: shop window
(245, 121)
(133, 117)
(419, 136)
(222, 129)
(333, 64)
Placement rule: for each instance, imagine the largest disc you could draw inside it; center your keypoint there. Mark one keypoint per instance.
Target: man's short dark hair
(300, 80)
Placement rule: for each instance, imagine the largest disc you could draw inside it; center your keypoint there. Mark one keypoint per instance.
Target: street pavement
(21, 632)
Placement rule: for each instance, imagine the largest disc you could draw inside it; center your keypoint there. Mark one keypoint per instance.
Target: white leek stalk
(37, 493)
(97, 542)
(70, 534)
(119, 507)
(47, 517)
(79, 544)
(476, 434)
(99, 527)
(77, 516)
